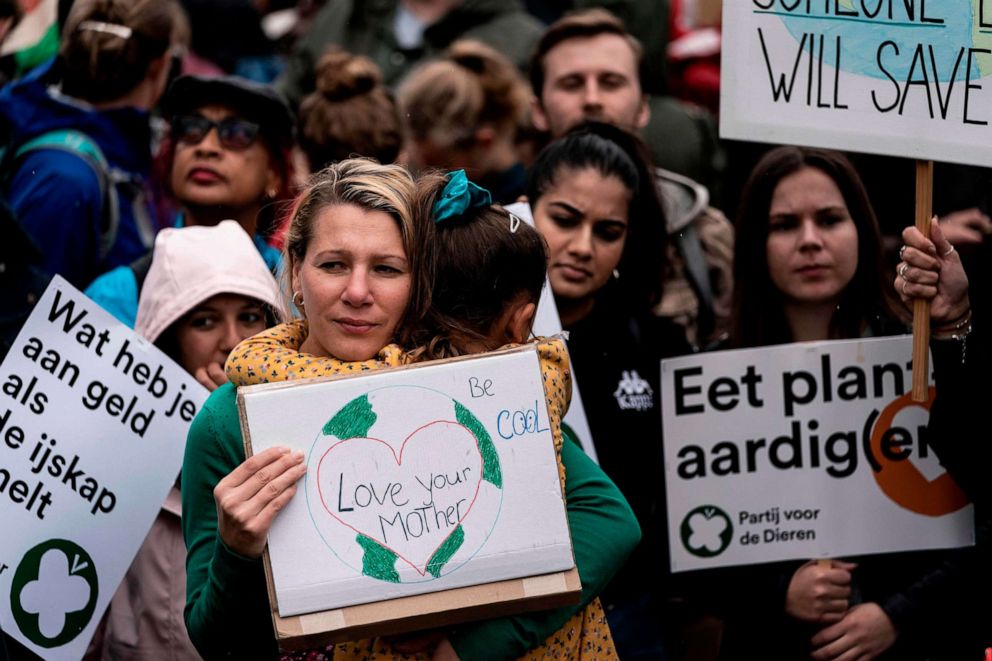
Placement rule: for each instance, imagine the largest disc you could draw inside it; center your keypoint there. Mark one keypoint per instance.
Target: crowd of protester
(191, 165)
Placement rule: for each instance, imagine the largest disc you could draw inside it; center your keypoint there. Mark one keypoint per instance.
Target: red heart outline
(399, 462)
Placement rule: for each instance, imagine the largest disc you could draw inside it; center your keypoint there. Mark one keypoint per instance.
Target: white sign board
(547, 323)
(418, 480)
(901, 78)
(802, 451)
(93, 423)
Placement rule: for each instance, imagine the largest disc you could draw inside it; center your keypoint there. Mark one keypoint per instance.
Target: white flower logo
(706, 532)
(57, 592)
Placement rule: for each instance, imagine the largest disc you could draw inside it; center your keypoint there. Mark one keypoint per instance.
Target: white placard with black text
(93, 423)
(802, 451)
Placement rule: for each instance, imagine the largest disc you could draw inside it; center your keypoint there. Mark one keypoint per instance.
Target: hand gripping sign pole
(921, 308)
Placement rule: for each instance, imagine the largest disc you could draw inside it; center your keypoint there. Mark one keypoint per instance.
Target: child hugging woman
(344, 282)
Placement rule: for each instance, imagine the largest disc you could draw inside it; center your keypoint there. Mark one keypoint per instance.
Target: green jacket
(227, 608)
(366, 28)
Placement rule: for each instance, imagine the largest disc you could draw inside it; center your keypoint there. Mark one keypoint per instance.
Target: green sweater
(227, 608)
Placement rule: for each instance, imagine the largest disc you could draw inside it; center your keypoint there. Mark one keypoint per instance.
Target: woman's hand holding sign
(249, 498)
(931, 269)
(819, 593)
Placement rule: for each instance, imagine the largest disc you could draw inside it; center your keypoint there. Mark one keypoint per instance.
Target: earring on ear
(616, 274)
(272, 192)
(298, 299)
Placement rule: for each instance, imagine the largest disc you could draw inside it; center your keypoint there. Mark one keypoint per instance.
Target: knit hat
(192, 264)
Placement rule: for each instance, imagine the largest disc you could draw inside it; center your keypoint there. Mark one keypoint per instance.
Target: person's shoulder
(116, 291)
(217, 426)
(331, 25)
(508, 27)
(683, 199)
(221, 407)
(65, 173)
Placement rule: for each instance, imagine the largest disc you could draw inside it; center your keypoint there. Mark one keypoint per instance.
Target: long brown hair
(867, 302)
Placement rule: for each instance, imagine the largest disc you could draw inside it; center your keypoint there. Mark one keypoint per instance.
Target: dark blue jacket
(57, 195)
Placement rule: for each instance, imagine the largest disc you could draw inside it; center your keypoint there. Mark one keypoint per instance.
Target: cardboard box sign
(431, 497)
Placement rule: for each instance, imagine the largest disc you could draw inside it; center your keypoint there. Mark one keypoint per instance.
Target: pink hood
(191, 264)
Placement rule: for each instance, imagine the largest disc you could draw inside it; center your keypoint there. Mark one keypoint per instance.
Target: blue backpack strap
(80, 144)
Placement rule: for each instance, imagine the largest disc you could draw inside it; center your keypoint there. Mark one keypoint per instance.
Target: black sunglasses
(233, 133)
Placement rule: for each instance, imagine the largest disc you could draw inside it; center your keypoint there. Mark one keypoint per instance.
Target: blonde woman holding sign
(809, 267)
(356, 249)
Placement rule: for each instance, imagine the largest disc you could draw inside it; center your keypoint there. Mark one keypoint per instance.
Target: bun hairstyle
(108, 45)
(471, 84)
(341, 75)
(482, 261)
(350, 113)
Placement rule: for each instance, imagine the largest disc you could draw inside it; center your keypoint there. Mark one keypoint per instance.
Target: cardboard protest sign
(904, 78)
(93, 424)
(801, 451)
(420, 479)
(546, 324)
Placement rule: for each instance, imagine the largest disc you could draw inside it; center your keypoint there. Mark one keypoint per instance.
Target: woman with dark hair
(228, 153)
(227, 156)
(595, 203)
(809, 267)
(80, 138)
(807, 278)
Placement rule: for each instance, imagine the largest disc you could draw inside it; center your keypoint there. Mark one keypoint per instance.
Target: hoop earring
(298, 299)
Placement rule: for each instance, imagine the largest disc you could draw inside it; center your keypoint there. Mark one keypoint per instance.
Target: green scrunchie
(459, 196)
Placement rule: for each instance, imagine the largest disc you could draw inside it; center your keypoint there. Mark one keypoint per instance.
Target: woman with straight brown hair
(809, 267)
(834, 286)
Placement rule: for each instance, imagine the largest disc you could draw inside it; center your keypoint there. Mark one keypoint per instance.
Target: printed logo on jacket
(633, 392)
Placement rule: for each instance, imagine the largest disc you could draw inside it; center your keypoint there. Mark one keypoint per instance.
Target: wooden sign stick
(921, 308)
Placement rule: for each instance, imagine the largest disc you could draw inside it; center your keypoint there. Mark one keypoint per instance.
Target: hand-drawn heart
(410, 501)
